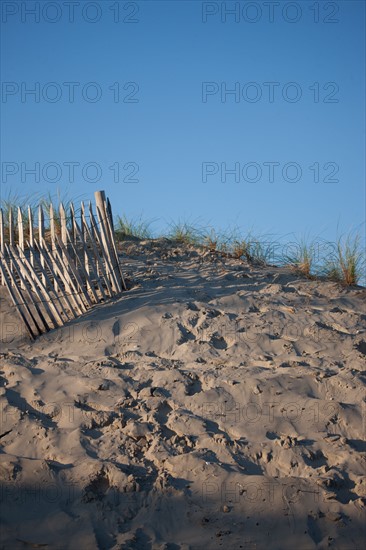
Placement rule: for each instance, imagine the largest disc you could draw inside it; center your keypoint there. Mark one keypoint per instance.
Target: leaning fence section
(56, 263)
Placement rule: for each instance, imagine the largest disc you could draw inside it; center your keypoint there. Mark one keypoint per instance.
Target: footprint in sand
(218, 341)
(185, 335)
(116, 328)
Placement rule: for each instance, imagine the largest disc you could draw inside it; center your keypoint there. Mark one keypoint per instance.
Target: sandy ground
(214, 405)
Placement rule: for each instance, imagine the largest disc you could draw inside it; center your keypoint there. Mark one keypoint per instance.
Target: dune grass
(347, 264)
(187, 232)
(13, 201)
(313, 258)
(255, 249)
(343, 261)
(301, 256)
(212, 241)
(137, 228)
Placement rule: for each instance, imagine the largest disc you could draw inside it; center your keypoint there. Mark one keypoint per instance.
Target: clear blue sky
(172, 49)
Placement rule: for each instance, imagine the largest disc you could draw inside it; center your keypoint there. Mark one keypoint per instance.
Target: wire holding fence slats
(69, 268)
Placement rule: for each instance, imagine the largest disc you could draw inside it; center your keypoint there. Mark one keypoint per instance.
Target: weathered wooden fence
(57, 269)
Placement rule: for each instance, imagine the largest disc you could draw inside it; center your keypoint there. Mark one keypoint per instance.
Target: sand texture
(213, 405)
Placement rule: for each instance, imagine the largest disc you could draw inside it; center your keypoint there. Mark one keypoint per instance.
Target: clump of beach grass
(301, 256)
(348, 262)
(184, 232)
(255, 249)
(211, 240)
(138, 228)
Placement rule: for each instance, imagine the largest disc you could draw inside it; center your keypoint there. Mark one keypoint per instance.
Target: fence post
(104, 213)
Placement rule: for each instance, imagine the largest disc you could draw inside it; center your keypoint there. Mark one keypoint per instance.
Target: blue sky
(162, 54)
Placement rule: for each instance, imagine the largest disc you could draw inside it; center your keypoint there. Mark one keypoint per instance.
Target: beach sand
(213, 405)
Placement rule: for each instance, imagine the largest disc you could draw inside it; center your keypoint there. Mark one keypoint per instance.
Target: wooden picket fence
(58, 270)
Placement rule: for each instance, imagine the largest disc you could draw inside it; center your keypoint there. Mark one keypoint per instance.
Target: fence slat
(103, 216)
(98, 258)
(89, 284)
(69, 263)
(72, 224)
(72, 288)
(90, 260)
(52, 226)
(2, 233)
(30, 231)
(15, 294)
(11, 226)
(20, 235)
(56, 272)
(19, 268)
(20, 228)
(108, 265)
(2, 238)
(41, 235)
(63, 225)
(47, 301)
(45, 276)
(107, 253)
(11, 237)
(114, 248)
(53, 235)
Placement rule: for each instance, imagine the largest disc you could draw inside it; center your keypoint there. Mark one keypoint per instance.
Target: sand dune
(214, 405)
